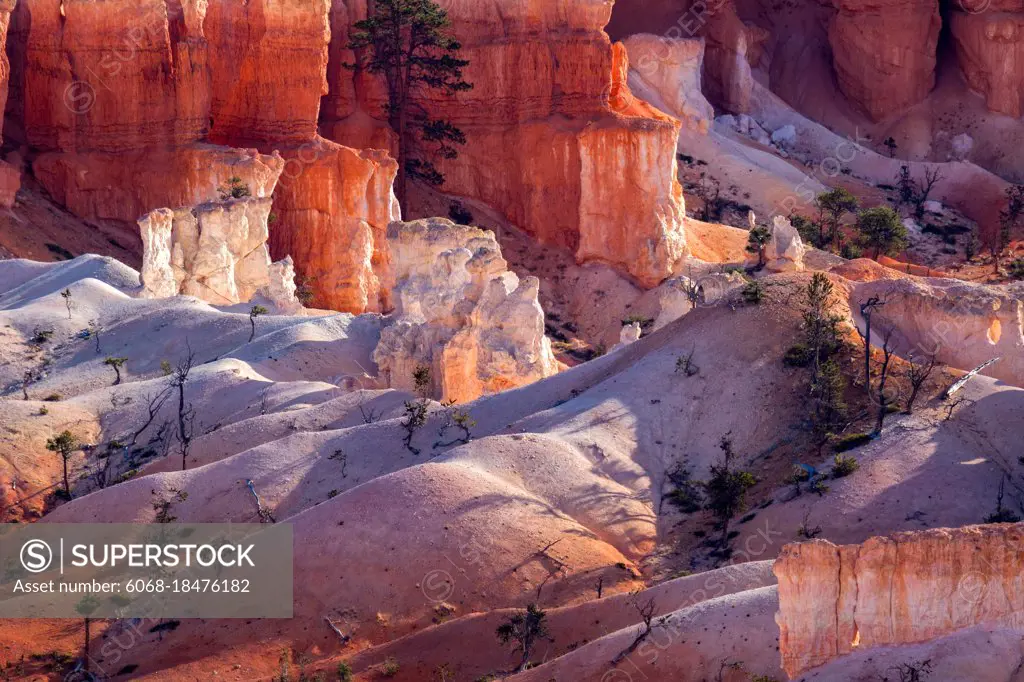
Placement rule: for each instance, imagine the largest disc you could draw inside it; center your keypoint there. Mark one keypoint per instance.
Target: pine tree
(757, 241)
(410, 44)
(882, 230)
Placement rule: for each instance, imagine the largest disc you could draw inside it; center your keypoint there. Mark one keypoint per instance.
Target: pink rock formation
(124, 99)
(731, 46)
(963, 324)
(333, 206)
(124, 186)
(268, 65)
(908, 587)
(884, 52)
(555, 152)
(461, 312)
(990, 50)
(785, 251)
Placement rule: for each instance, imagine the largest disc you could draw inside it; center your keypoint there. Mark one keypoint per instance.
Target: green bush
(851, 441)
(344, 672)
(851, 251)
(798, 356)
(753, 293)
(390, 667)
(843, 466)
(1017, 269)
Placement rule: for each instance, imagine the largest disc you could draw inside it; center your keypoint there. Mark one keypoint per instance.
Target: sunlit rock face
(908, 587)
(961, 323)
(332, 208)
(785, 251)
(216, 252)
(460, 312)
(10, 177)
(554, 139)
(667, 73)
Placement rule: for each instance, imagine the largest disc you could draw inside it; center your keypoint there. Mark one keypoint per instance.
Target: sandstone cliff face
(333, 205)
(884, 52)
(461, 312)
(731, 46)
(667, 73)
(216, 252)
(125, 100)
(268, 65)
(908, 587)
(534, 143)
(124, 186)
(990, 50)
(113, 76)
(117, 96)
(963, 324)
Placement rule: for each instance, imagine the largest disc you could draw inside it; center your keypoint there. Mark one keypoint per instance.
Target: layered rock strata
(567, 153)
(904, 588)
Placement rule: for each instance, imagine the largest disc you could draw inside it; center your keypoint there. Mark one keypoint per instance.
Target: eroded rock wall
(539, 124)
(460, 312)
(137, 105)
(332, 207)
(989, 39)
(268, 70)
(10, 177)
(962, 324)
(667, 73)
(883, 52)
(904, 588)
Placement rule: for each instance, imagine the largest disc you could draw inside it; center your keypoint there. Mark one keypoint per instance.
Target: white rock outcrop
(667, 73)
(674, 300)
(461, 312)
(629, 335)
(963, 324)
(785, 252)
(216, 252)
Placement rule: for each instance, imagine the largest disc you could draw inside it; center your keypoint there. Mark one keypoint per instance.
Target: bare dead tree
(646, 610)
(94, 330)
(924, 188)
(264, 514)
(724, 665)
(600, 586)
(953, 404)
(30, 377)
(867, 310)
(691, 288)
(883, 399)
(154, 403)
(341, 635)
(186, 413)
(918, 373)
(341, 456)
